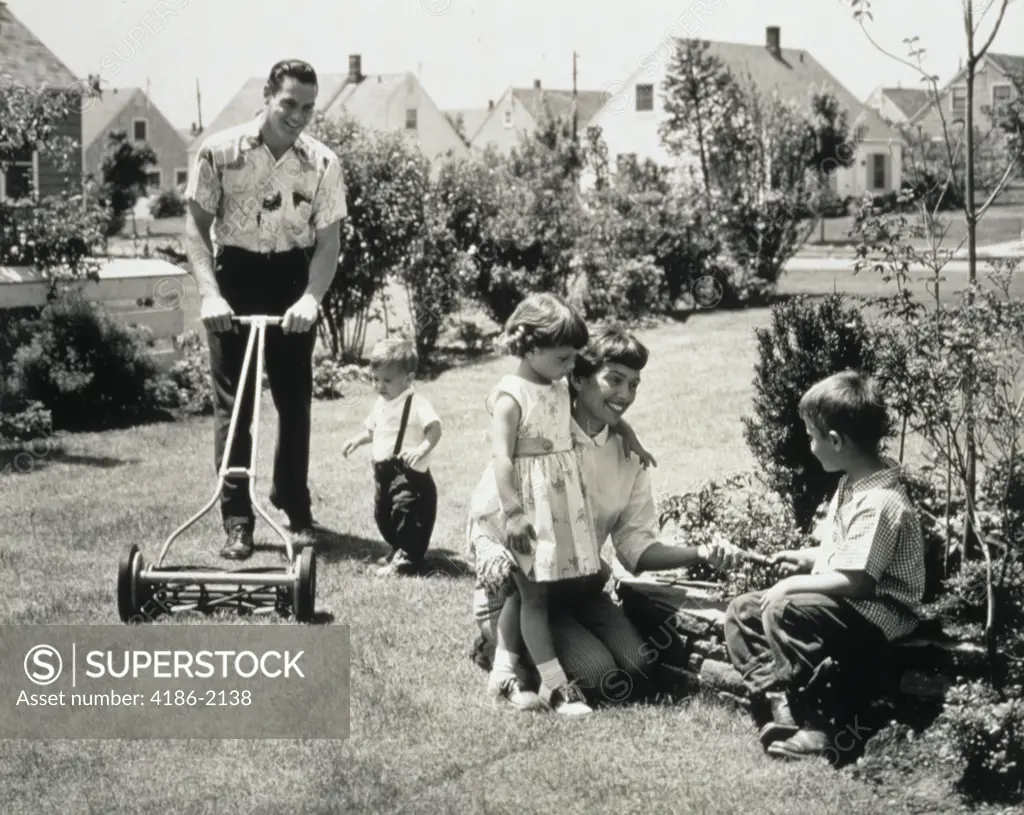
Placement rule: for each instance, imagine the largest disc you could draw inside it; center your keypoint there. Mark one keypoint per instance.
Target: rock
(721, 676)
(694, 662)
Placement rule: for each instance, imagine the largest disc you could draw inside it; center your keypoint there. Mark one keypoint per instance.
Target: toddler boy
(403, 429)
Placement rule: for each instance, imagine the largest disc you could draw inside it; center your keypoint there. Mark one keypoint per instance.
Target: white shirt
(620, 494)
(385, 420)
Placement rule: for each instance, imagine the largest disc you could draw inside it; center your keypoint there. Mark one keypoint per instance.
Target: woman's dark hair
(613, 345)
(295, 68)
(543, 321)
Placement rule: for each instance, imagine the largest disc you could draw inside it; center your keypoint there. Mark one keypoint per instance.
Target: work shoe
(568, 700)
(239, 544)
(509, 690)
(782, 725)
(803, 744)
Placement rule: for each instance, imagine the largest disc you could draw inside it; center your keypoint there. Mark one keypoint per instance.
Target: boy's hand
(349, 446)
(518, 534)
(774, 594)
(792, 561)
(720, 553)
(411, 457)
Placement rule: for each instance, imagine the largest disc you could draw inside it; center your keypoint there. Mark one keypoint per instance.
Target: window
(644, 97)
(1001, 94)
(21, 178)
(154, 180)
(180, 176)
(879, 171)
(140, 129)
(958, 102)
(507, 119)
(410, 118)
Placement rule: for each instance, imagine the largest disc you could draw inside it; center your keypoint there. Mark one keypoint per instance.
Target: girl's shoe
(509, 690)
(567, 700)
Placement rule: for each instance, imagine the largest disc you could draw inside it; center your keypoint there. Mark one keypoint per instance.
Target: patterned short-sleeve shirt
(873, 527)
(264, 204)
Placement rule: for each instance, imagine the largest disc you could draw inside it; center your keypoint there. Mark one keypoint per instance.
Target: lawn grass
(422, 738)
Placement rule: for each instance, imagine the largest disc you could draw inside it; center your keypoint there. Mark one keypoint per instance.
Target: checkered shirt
(873, 527)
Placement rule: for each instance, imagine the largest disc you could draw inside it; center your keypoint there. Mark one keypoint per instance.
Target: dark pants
(405, 506)
(786, 647)
(264, 284)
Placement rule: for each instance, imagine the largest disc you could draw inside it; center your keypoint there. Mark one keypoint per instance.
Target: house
(629, 119)
(467, 122)
(24, 60)
(519, 110)
(388, 102)
(131, 110)
(897, 105)
(998, 79)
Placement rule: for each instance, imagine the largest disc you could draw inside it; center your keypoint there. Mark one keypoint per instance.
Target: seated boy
(864, 580)
(404, 429)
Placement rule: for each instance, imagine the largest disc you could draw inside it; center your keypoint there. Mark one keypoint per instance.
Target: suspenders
(401, 427)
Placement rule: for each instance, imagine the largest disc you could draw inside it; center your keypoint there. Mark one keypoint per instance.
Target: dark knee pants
(405, 506)
(264, 284)
(781, 648)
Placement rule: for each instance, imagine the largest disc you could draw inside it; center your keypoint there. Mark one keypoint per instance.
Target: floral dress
(550, 483)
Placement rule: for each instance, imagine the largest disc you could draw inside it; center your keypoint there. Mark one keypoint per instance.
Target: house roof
(794, 75)
(104, 109)
(24, 58)
(366, 101)
(248, 101)
(472, 120)
(908, 100)
(558, 103)
(1008, 63)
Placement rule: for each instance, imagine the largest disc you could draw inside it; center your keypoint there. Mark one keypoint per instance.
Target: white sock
(551, 674)
(504, 662)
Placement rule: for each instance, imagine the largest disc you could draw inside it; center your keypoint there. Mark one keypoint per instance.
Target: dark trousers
(404, 506)
(264, 284)
(786, 646)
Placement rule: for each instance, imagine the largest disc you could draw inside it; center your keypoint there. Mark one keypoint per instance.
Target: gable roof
(472, 120)
(794, 75)
(1011, 64)
(248, 101)
(558, 103)
(104, 109)
(25, 59)
(908, 100)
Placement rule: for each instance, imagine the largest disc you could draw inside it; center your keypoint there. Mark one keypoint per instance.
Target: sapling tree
(959, 387)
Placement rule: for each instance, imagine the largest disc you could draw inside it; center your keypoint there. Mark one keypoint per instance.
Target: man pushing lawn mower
(273, 199)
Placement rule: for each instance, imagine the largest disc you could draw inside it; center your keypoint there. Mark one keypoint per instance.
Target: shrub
(191, 375)
(741, 511)
(168, 204)
(32, 422)
(805, 343)
(984, 734)
(88, 369)
(336, 380)
(622, 290)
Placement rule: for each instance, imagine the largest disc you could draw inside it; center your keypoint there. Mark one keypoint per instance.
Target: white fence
(123, 284)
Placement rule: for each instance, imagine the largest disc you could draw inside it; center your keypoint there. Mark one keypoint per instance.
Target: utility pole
(199, 107)
(575, 106)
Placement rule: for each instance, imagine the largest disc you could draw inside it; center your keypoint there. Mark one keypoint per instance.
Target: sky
(468, 51)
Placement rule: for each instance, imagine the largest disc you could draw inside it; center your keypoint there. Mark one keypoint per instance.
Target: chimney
(536, 84)
(490, 104)
(355, 68)
(772, 40)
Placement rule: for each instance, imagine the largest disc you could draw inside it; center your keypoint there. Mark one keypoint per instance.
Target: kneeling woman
(594, 641)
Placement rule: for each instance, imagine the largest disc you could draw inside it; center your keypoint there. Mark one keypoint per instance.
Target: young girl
(532, 495)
